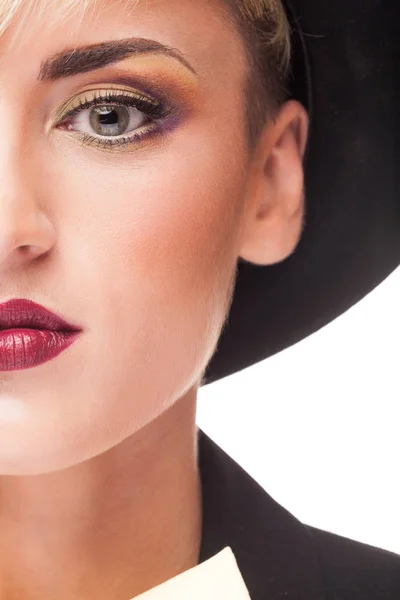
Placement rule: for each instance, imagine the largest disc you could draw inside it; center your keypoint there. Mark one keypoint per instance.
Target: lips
(19, 313)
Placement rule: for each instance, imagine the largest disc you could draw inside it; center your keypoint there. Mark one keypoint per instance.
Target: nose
(25, 231)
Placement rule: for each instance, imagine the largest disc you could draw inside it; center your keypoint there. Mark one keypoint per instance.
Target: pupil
(109, 119)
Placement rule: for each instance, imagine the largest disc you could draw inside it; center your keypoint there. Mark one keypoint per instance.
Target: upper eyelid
(177, 98)
(91, 95)
(159, 85)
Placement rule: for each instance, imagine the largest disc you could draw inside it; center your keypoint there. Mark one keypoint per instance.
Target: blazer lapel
(273, 549)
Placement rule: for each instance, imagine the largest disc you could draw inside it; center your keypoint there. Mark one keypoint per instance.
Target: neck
(111, 527)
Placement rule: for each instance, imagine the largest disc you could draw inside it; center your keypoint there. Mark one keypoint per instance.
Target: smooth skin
(99, 484)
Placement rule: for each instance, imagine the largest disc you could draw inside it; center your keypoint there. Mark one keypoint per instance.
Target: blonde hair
(273, 29)
(267, 33)
(263, 25)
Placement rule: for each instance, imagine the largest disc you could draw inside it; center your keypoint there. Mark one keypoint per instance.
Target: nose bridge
(19, 205)
(15, 174)
(13, 141)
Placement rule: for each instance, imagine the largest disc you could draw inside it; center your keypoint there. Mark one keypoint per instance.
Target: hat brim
(344, 72)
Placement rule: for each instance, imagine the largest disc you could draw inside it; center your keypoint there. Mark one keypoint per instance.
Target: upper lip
(17, 313)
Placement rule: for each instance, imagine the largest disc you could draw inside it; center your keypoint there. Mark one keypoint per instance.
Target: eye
(108, 120)
(110, 115)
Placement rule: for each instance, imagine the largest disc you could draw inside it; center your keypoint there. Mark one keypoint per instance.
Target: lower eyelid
(123, 142)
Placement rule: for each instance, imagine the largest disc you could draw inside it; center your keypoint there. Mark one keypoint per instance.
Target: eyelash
(156, 111)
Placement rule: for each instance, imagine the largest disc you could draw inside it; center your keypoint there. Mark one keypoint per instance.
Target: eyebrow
(83, 59)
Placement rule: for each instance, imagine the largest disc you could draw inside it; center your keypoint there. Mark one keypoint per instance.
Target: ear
(274, 203)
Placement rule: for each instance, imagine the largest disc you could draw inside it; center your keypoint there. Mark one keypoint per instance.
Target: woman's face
(136, 243)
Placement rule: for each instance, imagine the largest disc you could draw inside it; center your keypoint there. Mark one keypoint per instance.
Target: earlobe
(275, 210)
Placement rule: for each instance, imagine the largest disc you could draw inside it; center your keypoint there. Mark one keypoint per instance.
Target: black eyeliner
(153, 110)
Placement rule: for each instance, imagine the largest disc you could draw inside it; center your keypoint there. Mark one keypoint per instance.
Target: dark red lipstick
(31, 335)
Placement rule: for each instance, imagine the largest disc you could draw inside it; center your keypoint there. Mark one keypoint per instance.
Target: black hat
(345, 74)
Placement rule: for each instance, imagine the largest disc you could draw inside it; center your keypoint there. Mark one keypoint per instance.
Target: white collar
(217, 578)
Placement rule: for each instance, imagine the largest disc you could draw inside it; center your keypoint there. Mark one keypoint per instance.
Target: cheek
(173, 241)
(163, 228)
(149, 254)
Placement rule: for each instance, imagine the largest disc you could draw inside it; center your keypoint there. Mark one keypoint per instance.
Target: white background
(318, 425)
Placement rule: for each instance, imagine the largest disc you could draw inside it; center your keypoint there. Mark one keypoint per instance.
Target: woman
(147, 149)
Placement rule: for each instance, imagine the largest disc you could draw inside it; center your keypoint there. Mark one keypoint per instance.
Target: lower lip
(26, 348)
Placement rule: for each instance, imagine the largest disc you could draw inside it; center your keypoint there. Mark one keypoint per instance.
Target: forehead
(200, 31)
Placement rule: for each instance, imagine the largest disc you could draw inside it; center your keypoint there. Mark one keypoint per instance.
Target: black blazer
(279, 557)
